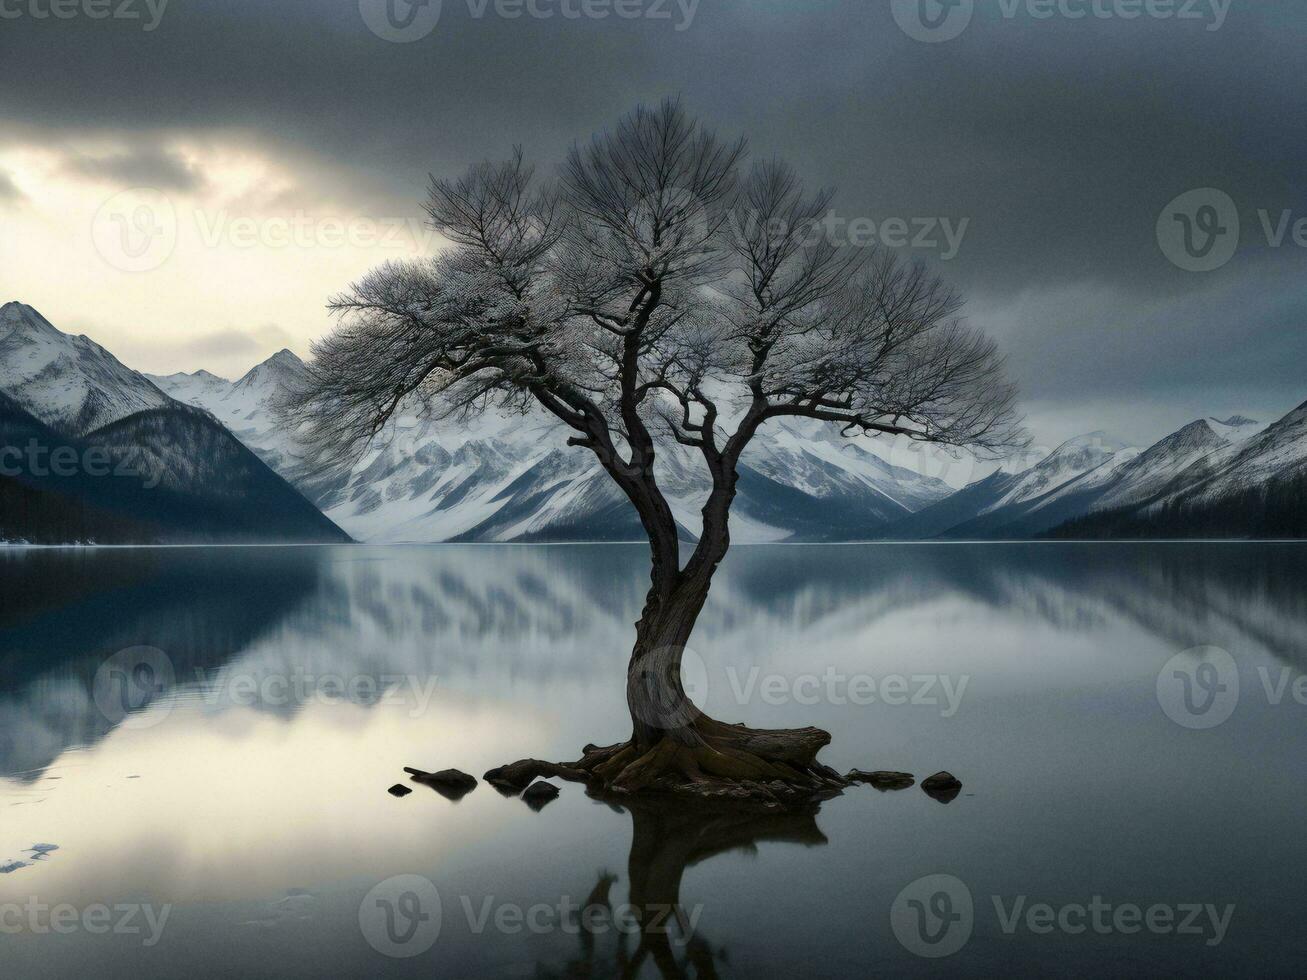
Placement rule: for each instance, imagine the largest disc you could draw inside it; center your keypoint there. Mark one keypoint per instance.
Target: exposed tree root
(708, 760)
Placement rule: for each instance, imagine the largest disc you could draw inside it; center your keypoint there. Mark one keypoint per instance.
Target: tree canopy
(656, 289)
(655, 292)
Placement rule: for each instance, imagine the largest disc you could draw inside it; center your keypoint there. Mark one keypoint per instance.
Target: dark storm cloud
(228, 353)
(1059, 140)
(145, 167)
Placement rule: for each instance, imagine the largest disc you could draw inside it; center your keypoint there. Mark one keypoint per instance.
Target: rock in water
(539, 795)
(943, 787)
(399, 790)
(453, 784)
(515, 777)
(883, 779)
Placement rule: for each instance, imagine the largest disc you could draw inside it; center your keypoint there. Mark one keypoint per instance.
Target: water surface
(246, 793)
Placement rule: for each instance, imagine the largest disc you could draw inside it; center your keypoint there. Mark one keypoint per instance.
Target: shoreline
(21, 546)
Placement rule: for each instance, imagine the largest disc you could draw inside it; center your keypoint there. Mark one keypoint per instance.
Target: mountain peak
(280, 365)
(181, 377)
(17, 316)
(1194, 435)
(70, 383)
(1236, 428)
(286, 357)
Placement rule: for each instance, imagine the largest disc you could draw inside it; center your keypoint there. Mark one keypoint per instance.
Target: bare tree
(655, 293)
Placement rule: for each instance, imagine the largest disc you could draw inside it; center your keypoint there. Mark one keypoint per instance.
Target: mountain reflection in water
(538, 614)
(250, 791)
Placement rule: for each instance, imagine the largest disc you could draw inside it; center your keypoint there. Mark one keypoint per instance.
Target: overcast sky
(190, 185)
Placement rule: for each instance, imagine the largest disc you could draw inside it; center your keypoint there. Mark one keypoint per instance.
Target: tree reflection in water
(669, 836)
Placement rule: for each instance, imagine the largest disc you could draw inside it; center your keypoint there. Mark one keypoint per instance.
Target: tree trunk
(655, 692)
(674, 747)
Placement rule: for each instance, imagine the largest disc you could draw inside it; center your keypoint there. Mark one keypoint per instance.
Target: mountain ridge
(97, 453)
(508, 477)
(511, 477)
(1249, 474)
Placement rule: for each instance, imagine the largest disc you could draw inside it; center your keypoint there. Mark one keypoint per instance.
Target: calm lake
(1128, 723)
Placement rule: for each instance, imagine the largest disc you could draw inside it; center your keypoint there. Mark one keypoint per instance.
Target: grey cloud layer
(1060, 139)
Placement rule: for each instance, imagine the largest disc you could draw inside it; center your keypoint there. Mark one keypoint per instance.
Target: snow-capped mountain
(96, 452)
(1146, 476)
(242, 406)
(1252, 483)
(1077, 464)
(70, 383)
(1223, 478)
(1026, 503)
(199, 385)
(1278, 452)
(513, 477)
(505, 477)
